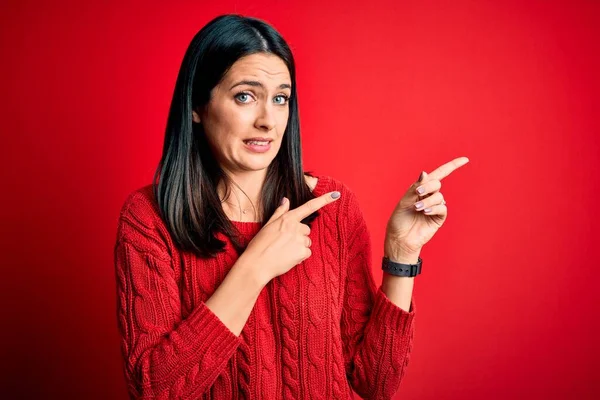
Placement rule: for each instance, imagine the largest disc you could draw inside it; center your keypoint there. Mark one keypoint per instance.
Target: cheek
(235, 120)
(224, 124)
(282, 121)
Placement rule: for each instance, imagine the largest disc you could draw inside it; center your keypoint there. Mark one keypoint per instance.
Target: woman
(226, 291)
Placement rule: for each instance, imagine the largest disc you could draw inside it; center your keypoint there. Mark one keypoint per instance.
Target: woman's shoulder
(141, 203)
(139, 218)
(345, 213)
(321, 184)
(347, 207)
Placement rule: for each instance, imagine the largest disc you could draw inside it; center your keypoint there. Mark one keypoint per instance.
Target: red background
(509, 295)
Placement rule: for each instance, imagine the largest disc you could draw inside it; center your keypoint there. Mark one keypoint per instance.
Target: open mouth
(256, 143)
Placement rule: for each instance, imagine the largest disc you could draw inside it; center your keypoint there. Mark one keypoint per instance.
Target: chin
(257, 166)
(258, 161)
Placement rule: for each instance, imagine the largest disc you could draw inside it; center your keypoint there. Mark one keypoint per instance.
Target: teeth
(257, 143)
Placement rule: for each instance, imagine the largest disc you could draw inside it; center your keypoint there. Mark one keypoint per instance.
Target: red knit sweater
(315, 332)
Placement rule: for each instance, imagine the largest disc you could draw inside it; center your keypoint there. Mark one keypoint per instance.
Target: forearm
(399, 289)
(382, 345)
(234, 299)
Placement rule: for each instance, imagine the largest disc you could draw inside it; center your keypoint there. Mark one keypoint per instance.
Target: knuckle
(285, 226)
(282, 231)
(288, 223)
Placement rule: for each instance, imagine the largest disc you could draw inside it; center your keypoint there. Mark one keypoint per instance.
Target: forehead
(267, 68)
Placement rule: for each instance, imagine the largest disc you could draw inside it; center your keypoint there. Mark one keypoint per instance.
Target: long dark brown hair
(185, 181)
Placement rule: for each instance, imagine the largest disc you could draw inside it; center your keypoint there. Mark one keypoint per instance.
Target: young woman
(226, 291)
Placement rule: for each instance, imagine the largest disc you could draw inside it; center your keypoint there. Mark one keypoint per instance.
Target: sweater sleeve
(165, 356)
(377, 335)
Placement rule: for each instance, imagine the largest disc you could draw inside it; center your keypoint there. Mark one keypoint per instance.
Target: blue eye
(245, 98)
(242, 97)
(284, 97)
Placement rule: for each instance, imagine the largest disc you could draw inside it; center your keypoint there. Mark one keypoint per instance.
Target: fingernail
(335, 195)
(427, 210)
(419, 205)
(420, 190)
(282, 202)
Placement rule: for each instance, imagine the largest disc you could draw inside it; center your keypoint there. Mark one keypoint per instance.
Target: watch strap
(398, 269)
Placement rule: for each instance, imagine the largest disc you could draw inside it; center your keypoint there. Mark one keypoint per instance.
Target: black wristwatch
(397, 269)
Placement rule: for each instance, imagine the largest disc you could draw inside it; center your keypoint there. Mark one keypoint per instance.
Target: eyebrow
(258, 84)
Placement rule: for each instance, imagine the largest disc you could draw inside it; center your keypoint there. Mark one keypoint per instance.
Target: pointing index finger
(444, 170)
(313, 205)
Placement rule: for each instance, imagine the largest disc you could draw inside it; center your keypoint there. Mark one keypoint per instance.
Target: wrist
(399, 254)
(249, 269)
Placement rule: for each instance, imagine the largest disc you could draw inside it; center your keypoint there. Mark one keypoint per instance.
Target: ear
(195, 117)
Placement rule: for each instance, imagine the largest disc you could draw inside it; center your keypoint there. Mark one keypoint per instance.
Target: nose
(265, 119)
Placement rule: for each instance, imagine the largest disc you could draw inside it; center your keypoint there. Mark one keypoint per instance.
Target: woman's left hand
(410, 227)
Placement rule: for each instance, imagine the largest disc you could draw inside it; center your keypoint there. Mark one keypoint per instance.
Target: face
(251, 101)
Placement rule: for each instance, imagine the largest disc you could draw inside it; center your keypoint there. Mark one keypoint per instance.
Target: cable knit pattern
(289, 334)
(373, 327)
(316, 332)
(330, 224)
(245, 360)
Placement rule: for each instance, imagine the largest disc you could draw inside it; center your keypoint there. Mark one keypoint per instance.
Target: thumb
(411, 194)
(421, 178)
(279, 211)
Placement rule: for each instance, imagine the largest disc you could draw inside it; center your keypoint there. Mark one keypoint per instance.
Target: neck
(244, 193)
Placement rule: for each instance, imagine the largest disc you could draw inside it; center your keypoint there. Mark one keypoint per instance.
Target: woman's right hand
(283, 242)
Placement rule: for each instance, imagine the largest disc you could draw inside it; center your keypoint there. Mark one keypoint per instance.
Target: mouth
(258, 146)
(257, 142)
